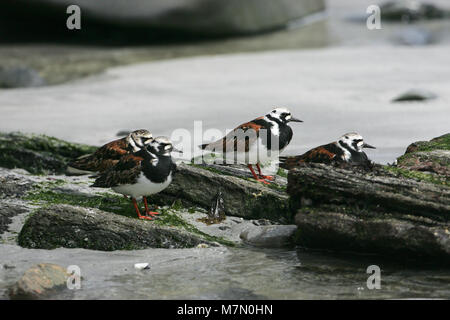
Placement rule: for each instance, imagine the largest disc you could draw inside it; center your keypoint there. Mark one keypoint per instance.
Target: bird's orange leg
(271, 178)
(138, 212)
(152, 213)
(255, 176)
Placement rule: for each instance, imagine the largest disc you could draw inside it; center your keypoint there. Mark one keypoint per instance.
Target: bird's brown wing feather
(126, 171)
(322, 154)
(238, 140)
(104, 158)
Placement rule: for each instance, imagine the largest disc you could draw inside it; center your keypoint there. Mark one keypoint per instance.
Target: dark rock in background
(20, 77)
(144, 21)
(411, 10)
(75, 227)
(39, 282)
(415, 95)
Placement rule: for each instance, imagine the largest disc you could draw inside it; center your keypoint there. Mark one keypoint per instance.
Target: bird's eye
(346, 137)
(274, 111)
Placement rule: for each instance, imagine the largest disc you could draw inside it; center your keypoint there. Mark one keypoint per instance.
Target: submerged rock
(375, 211)
(38, 154)
(274, 236)
(39, 282)
(415, 95)
(411, 10)
(20, 77)
(75, 227)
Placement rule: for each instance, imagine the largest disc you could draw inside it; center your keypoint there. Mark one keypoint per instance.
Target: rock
(201, 17)
(14, 186)
(75, 227)
(375, 211)
(198, 186)
(274, 236)
(39, 282)
(414, 37)
(430, 156)
(20, 77)
(7, 211)
(411, 10)
(415, 95)
(38, 154)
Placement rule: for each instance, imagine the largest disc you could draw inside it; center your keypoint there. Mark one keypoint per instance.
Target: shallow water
(236, 273)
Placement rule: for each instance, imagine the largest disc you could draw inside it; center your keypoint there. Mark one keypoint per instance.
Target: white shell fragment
(142, 266)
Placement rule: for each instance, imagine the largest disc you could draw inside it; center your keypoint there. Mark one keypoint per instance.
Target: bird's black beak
(292, 119)
(365, 145)
(176, 150)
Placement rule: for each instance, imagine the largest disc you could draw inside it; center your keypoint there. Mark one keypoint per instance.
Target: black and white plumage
(256, 142)
(143, 173)
(109, 154)
(349, 149)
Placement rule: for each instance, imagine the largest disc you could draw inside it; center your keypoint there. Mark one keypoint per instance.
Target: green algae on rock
(74, 227)
(38, 154)
(372, 211)
(428, 156)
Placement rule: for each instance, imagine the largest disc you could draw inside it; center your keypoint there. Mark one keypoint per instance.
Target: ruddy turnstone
(108, 155)
(143, 173)
(256, 142)
(347, 149)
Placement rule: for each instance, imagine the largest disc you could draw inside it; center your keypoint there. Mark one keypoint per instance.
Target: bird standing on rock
(256, 142)
(109, 154)
(143, 173)
(349, 148)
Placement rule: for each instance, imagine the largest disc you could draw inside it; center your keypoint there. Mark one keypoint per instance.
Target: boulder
(38, 154)
(243, 197)
(20, 77)
(75, 227)
(428, 156)
(39, 282)
(199, 17)
(274, 236)
(375, 211)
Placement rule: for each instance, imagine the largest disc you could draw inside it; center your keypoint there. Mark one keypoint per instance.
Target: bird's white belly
(143, 187)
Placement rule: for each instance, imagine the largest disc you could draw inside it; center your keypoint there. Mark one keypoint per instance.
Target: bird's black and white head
(281, 116)
(138, 139)
(161, 146)
(353, 142)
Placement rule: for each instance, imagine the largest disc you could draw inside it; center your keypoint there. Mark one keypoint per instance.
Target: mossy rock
(38, 154)
(428, 156)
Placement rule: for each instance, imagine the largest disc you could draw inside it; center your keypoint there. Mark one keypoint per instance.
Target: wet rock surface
(74, 227)
(38, 154)
(39, 282)
(377, 211)
(242, 197)
(7, 211)
(275, 236)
